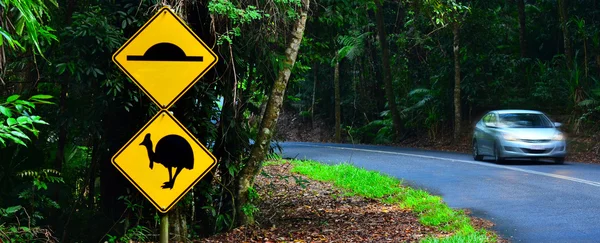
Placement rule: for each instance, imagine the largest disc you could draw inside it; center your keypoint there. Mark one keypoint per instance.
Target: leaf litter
(315, 211)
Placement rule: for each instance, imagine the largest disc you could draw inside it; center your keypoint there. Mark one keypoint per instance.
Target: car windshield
(524, 120)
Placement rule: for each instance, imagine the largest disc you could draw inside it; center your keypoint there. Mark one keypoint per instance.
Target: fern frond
(589, 102)
(419, 91)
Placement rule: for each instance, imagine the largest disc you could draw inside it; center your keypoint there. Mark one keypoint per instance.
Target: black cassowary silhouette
(171, 151)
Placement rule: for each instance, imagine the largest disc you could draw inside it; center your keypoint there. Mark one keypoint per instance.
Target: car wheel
(476, 155)
(497, 157)
(559, 160)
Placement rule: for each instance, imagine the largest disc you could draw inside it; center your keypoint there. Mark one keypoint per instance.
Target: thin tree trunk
(62, 128)
(336, 84)
(269, 120)
(562, 13)
(387, 72)
(314, 92)
(585, 57)
(522, 40)
(96, 145)
(457, 112)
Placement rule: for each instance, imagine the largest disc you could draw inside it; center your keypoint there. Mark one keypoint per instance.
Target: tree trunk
(178, 223)
(387, 71)
(562, 13)
(96, 145)
(522, 40)
(62, 126)
(457, 111)
(585, 56)
(269, 120)
(336, 84)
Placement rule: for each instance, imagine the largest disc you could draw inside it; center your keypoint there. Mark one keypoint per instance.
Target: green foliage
(238, 16)
(591, 107)
(445, 11)
(35, 196)
(28, 24)
(424, 109)
(352, 46)
(16, 116)
(377, 132)
(35, 199)
(137, 233)
(16, 232)
(480, 236)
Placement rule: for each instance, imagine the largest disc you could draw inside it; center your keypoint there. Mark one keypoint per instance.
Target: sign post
(164, 228)
(163, 160)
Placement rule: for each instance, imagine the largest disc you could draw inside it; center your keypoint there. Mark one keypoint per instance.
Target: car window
(489, 119)
(524, 120)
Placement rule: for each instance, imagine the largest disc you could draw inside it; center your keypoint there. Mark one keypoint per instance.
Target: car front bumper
(533, 149)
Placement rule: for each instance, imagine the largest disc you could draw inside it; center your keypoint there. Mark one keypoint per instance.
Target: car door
(488, 134)
(480, 134)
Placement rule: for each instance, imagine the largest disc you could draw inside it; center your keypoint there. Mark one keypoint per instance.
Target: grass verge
(430, 209)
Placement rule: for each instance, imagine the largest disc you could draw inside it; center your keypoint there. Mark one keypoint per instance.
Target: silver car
(518, 134)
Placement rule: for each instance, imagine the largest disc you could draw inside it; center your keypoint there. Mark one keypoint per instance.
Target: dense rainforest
(372, 71)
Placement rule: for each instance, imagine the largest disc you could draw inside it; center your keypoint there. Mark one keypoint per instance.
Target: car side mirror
(557, 124)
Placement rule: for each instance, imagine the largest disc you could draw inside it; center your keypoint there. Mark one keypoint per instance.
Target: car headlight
(558, 137)
(509, 137)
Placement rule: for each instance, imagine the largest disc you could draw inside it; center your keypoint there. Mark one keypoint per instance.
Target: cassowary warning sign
(164, 161)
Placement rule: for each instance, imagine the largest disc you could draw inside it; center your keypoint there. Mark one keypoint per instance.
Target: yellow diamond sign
(165, 58)
(164, 161)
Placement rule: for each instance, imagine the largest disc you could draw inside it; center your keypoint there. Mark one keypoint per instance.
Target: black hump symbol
(165, 52)
(171, 151)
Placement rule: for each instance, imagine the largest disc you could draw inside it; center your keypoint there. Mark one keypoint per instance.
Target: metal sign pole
(164, 227)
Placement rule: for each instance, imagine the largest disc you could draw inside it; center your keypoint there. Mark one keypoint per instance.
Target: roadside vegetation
(430, 209)
(307, 201)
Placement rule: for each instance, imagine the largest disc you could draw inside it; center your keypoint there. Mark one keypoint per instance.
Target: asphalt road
(528, 201)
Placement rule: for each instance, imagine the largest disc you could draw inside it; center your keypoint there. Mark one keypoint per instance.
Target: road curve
(528, 201)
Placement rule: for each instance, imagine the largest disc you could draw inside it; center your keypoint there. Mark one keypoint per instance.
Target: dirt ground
(320, 213)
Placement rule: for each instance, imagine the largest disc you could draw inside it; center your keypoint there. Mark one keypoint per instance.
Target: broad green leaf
(44, 102)
(20, 26)
(20, 134)
(11, 121)
(18, 141)
(23, 120)
(13, 209)
(61, 68)
(41, 97)
(26, 103)
(40, 122)
(5, 111)
(12, 98)
(2, 141)
(19, 108)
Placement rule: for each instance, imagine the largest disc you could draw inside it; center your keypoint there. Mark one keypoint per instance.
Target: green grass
(430, 209)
